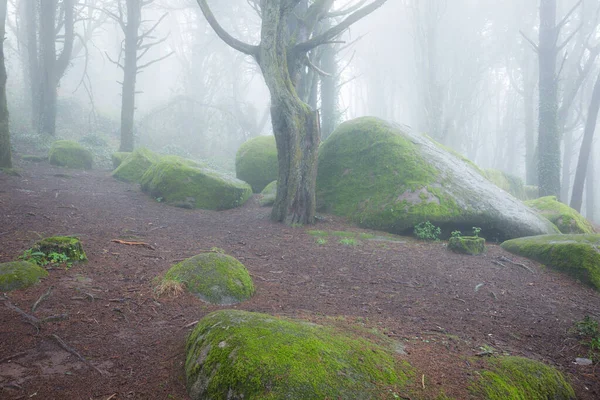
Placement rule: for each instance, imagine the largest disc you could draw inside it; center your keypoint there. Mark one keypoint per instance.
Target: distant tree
(5, 156)
(137, 43)
(295, 125)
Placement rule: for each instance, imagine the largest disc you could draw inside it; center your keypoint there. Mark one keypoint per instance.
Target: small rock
(583, 361)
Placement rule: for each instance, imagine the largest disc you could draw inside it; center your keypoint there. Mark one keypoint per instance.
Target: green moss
(236, 354)
(66, 153)
(516, 378)
(56, 249)
(507, 182)
(179, 184)
(118, 158)
(256, 162)
(133, 167)
(566, 219)
(19, 275)
(575, 255)
(214, 277)
(32, 158)
(268, 194)
(467, 245)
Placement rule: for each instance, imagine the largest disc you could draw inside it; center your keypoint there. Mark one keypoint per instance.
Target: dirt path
(441, 305)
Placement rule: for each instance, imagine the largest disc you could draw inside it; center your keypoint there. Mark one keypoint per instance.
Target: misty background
(464, 71)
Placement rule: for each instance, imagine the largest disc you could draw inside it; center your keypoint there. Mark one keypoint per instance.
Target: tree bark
(548, 139)
(329, 92)
(130, 69)
(5, 154)
(33, 70)
(586, 148)
(590, 189)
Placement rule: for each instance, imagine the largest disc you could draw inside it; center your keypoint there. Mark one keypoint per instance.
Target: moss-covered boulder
(19, 275)
(182, 185)
(575, 255)
(56, 250)
(256, 162)
(133, 167)
(241, 355)
(521, 379)
(66, 153)
(268, 194)
(507, 182)
(118, 158)
(214, 277)
(467, 245)
(385, 177)
(566, 219)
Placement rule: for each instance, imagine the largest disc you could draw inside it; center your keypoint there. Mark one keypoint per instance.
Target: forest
(299, 199)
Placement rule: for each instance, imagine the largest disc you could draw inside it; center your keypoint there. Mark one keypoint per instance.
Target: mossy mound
(566, 219)
(385, 177)
(66, 153)
(507, 182)
(256, 162)
(132, 168)
(61, 249)
(242, 355)
(118, 158)
(467, 245)
(179, 184)
(522, 379)
(214, 277)
(19, 275)
(575, 255)
(268, 194)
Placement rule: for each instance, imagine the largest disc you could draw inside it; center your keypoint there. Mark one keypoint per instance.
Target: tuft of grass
(343, 234)
(318, 233)
(366, 236)
(321, 241)
(348, 242)
(169, 288)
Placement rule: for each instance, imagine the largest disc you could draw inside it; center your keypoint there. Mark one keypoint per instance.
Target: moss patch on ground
(132, 168)
(19, 275)
(66, 153)
(181, 184)
(566, 219)
(237, 354)
(214, 277)
(518, 378)
(56, 250)
(268, 194)
(256, 162)
(118, 158)
(575, 255)
(467, 245)
(507, 182)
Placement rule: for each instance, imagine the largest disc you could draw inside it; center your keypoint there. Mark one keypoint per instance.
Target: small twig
(190, 324)
(498, 263)
(17, 355)
(42, 298)
(75, 353)
(423, 381)
(29, 318)
(111, 396)
(56, 318)
(505, 259)
(133, 243)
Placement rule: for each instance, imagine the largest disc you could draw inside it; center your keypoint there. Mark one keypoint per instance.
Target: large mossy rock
(183, 185)
(256, 162)
(507, 182)
(66, 153)
(241, 355)
(268, 194)
(133, 167)
(118, 158)
(19, 275)
(214, 277)
(384, 177)
(575, 255)
(566, 219)
(521, 379)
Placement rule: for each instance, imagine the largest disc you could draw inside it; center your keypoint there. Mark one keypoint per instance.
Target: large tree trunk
(5, 156)
(295, 125)
(48, 84)
(586, 148)
(549, 138)
(531, 176)
(134, 10)
(30, 11)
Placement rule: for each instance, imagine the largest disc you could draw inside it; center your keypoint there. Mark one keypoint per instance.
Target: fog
(465, 72)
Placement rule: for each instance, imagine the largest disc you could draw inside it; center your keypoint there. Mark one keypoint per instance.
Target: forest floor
(445, 308)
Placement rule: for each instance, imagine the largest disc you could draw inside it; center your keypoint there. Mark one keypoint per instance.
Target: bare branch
(155, 61)
(224, 35)
(531, 42)
(118, 64)
(345, 11)
(562, 23)
(316, 69)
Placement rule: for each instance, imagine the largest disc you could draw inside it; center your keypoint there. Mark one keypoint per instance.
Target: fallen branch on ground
(75, 353)
(132, 243)
(505, 259)
(29, 318)
(42, 298)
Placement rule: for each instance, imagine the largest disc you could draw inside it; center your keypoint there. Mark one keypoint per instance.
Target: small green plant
(589, 331)
(456, 234)
(321, 241)
(476, 231)
(318, 233)
(427, 231)
(348, 242)
(41, 259)
(296, 225)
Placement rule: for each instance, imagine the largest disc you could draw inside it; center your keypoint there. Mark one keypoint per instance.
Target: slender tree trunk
(590, 187)
(134, 10)
(5, 156)
(48, 84)
(329, 92)
(30, 11)
(549, 139)
(565, 186)
(586, 148)
(531, 175)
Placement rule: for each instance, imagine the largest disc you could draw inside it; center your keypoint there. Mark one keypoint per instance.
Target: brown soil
(443, 306)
